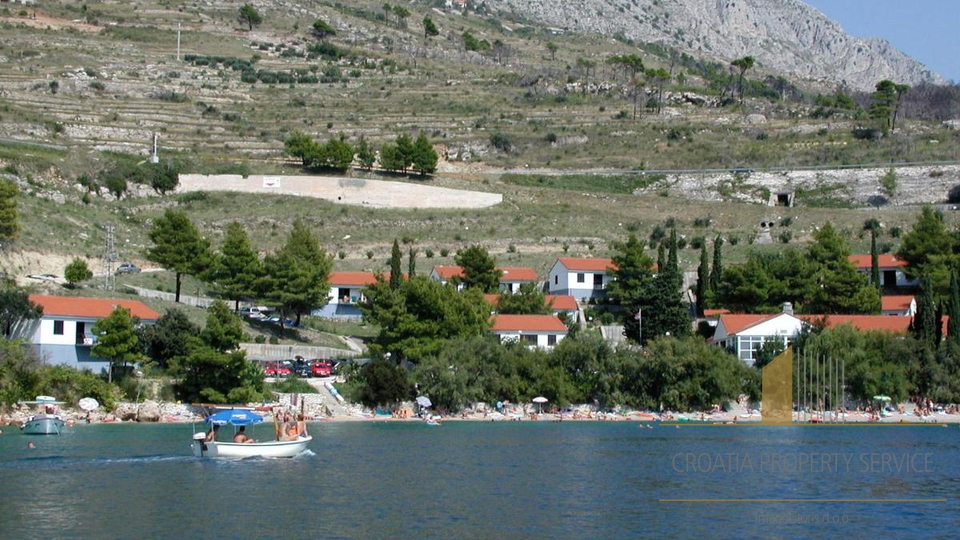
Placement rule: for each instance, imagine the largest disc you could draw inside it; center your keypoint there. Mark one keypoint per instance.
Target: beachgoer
(292, 432)
(212, 434)
(241, 436)
(302, 426)
(31, 446)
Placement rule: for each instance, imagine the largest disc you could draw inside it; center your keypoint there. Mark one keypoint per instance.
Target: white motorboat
(43, 424)
(241, 418)
(47, 422)
(272, 449)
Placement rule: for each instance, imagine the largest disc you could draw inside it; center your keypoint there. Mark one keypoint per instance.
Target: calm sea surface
(466, 481)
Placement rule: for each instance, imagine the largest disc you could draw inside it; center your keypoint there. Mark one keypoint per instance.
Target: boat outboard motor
(201, 438)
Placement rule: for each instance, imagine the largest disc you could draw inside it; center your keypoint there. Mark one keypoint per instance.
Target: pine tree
(479, 269)
(953, 310)
(716, 273)
(365, 155)
(236, 270)
(396, 268)
(77, 271)
(295, 277)
(224, 330)
(424, 157)
(178, 246)
(631, 287)
(412, 263)
(116, 340)
(875, 261)
(703, 280)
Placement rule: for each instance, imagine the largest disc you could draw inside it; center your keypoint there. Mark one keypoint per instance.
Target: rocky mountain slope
(784, 35)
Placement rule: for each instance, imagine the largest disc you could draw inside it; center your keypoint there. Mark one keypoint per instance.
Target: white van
(253, 312)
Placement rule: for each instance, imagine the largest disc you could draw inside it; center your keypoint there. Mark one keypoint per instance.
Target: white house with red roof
(745, 333)
(64, 333)
(579, 277)
(892, 270)
(543, 331)
(904, 305)
(511, 277)
(345, 294)
(558, 304)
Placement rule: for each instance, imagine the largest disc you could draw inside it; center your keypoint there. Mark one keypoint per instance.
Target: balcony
(86, 341)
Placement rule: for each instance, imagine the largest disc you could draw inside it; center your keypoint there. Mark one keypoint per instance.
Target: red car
(320, 368)
(275, 369)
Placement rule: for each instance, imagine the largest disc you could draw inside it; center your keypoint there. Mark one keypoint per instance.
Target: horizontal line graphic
(802, 500)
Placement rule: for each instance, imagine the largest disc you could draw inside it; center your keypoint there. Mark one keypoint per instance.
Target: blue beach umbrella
(237, 417)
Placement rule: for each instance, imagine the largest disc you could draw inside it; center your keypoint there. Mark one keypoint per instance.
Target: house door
(81, 332)
(889, 278)
(598, 281)
(345, 296)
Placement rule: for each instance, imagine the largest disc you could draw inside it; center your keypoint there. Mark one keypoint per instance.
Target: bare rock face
(126, 412)
(149, 412)
(784, 35)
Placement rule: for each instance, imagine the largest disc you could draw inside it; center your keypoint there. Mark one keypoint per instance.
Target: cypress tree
(874, 261)
(673, 260)
(924, 322)
(716, 273)
(661, 258)
(953, 310)
(412, 263)
(703, 280)
(396, 270)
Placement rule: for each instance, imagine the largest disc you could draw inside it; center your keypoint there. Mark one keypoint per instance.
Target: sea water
(511, 480)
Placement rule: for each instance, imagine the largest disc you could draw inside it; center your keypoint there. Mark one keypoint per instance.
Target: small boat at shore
(241, 417)
(47, 422)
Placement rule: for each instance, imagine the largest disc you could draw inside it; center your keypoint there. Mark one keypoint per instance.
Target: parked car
(43, 277)
(128, 268)
(321, 368)
(252, 313)
(276, 369)
(301, 368)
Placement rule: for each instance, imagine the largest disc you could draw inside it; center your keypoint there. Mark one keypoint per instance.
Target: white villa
(580, 278)
(345, 295)
(64, 333)
(892, 274)
(543, 331)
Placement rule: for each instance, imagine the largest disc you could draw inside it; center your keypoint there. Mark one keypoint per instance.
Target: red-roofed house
(903, 305)
(558, 304)
(580, 278)
(744, 334)
(64, 333)
(345, 294)
(892, 273)
(510, 279)
(543, 331)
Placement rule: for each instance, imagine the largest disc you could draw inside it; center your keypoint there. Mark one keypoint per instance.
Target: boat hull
(43, 426)
(274, 449)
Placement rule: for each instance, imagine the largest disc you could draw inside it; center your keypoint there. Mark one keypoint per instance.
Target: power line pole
(178, 41)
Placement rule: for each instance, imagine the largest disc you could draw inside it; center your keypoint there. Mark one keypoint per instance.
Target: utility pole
(178, 41)
(155, 157)
(109, 257)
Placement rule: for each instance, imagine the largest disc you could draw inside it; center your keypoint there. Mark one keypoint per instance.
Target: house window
(551, 340)
(529, 338)
(748, 346)
(556, 280)
(58, 328)
(581, 278)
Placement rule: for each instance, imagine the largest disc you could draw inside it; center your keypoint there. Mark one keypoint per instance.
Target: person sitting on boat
(241, 436)
(302, 426)
(292, 432)
(212, 434)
